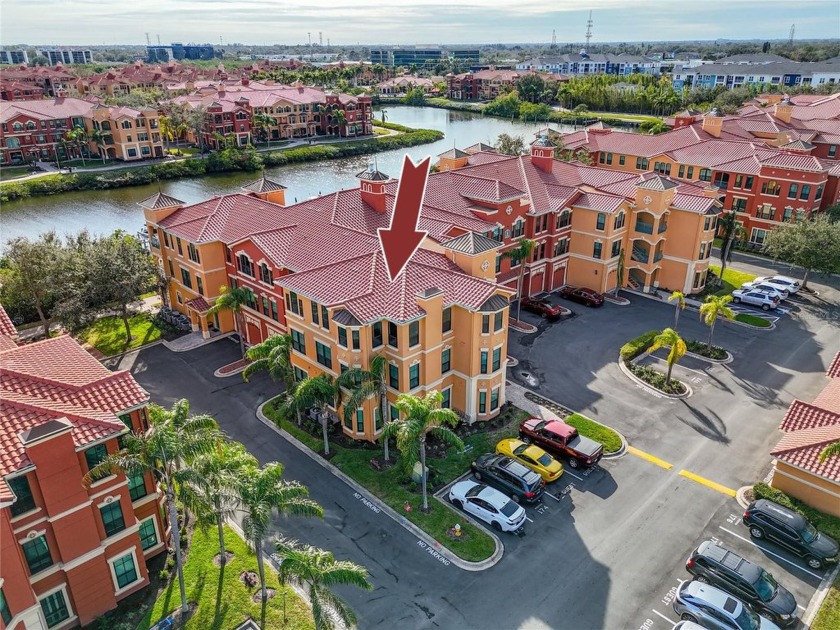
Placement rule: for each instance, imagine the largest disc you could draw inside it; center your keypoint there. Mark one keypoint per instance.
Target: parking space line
(651, 458)
(528, 519)
(767, 551)
(708, 483)
(569, 472)
(656, 612)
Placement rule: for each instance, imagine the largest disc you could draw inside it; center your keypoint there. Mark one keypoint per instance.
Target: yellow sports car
(533, 457)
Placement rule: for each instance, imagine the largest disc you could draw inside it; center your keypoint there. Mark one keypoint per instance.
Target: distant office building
(382, 56)
(193, 51)
(416, 56)
(421, 56)
(159, 54)
(66, 56)
(467, 55)
(13, 57)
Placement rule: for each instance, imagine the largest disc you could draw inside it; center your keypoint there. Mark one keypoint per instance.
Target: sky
(409, 22)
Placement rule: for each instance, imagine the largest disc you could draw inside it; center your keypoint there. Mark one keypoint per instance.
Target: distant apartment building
(69, 552)
(585, 64)
(52, 80)
(14, 57)
(744, 70)
(481, 85)
(159, 54)
(66, 55)
(19, 91)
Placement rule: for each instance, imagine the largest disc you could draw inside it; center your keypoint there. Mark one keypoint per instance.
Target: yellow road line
(707, 483)
(653, 460)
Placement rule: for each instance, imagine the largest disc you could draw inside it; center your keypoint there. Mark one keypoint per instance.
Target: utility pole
(792, 31)
(310, 46)
(320, 38)
(588, 31)
(148, 40)
(553, 38)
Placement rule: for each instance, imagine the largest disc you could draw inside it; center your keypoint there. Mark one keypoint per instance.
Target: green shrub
(170, 563)
(701, 348)
(656, 379)
(163, 576)
(752, 320)
(595, 431)
(823, 522)
(637, 346)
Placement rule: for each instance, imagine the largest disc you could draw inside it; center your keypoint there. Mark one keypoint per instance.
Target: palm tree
(678, 297)
(274, 355)
(714, 307)
(730, 231)
(78, 136)
(98, 139)
(421, 417)
(340, 119)
(383, 114)
(366, 383)
(832, 450)
(166, 127)
(319, 392)
(521, 253)
(669, 337)
(173, 440)
(263, 491)
(319, 570)
(264, 122)
(213, 496)
(233, 300)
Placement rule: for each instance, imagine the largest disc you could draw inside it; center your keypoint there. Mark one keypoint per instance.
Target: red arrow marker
(402, 238)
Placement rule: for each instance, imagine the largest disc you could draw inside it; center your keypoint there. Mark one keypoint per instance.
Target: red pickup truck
(559, 438)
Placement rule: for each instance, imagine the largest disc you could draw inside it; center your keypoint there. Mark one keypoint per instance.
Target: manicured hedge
(702, 348)
(595, 431)
(752, 320)
(823, 522)
(637, 346)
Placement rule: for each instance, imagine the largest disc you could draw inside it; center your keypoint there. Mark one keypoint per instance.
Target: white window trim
(67, 602)
(113, 559)
(108, 501)
(157, 533)
(32, 535)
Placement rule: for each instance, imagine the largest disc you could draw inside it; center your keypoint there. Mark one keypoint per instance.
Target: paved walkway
(515, 394)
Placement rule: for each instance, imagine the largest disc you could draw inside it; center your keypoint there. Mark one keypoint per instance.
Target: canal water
(103, 211)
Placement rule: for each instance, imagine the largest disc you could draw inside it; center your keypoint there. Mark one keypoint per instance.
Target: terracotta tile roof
(199, 305)
(373, 174)
(802, 415)
(7, 328)
(834, 368)
(653, 181)
(601, 203)
(160, 200)
(479, 147)
(45, 109)
(829, 397)
(695, 203)
(264, 184)
(361, 286)
(453, 153)
(802, 449)
(56, 378)
(471, 243)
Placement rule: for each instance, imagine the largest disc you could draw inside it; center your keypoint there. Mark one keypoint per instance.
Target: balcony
(640, 255)
(644, 228)
(663, 225)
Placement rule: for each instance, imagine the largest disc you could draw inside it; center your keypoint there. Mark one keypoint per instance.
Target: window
(5, 613)
(342, 337)
(446, 402)
(376, 335)
(265, 305)
(485, 324)
(112, 518)
(394, 376)
(498, 321)
(125, 570)
(497, 359)
(641, 164)
(300, 374)
(185, 278)
(484, 361)
(148, 535)
(323, 354)
(482, 402)
(806, 192)
(518, 228)
(132, 152)
(95, 454)
(619, 220)
(445, 361)
(748, 184)
(561, 247)
(137, 486)
(757, 236)
(298, 341)
(621, 160)
(192, 253)
(199, 285)
(601, 221)
(55, 608)
(360, 420)
(244, 264)
(494, 399)
(788, 214)
(564, 219)
(37, 554)
(25, 501)
(705, 175)
(770, 188)
(266, 274)
(792, 191)
(681, 173)
(393, 339)
(293, 304)
(377, 419)
(819, 194)
(739, 205)
(663, 168)
(180, 247)
(413, 334)
(325, 317)
(314, 306)
(696, 282)
(395, 413)
(616, 249)
(832, 150)
(414, 376)
(596, 250)
(357, 344)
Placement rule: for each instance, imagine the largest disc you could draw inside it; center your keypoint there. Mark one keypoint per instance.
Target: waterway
(103, 211)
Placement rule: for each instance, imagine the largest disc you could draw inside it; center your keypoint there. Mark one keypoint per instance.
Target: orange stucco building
(68, 553)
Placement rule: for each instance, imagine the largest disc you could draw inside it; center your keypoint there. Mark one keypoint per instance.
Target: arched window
(17, 126)
(106, 126)
(564, 219)
(31, 125)
(518, 228)
(126, 124)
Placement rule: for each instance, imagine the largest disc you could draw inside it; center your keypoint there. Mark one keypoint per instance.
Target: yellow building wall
(815, 491)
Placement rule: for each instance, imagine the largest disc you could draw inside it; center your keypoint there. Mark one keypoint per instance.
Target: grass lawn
(183, 151)
(107, 334)
(13, 172)
(223, 600)
(828, 617)
(639, 117)
(595, 431)
(93, 162)
(752, 320)
(732, 279)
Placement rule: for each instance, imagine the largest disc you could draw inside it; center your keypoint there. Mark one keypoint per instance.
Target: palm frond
(832, 450)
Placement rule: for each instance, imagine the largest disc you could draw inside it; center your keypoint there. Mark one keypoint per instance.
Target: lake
(104, 211)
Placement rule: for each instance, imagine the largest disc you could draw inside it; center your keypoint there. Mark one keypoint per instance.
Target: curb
(818, 598)
(219, 374)
(512, 361)
(729, 358)
(143, 347)
(740, 496)
(525, 331)
(466, 565)
(619, 453)
(199, 345)
(772, 325)
(650, 388)
(618, 301)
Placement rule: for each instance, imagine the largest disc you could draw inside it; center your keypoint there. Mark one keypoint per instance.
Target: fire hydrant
(407, 506)
(457, 530)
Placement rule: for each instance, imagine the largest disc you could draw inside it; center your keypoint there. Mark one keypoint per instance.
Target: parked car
(792, 285)
(765, 301)
(584, 296)
(767, 288)
(543, 307)
(687, 625)
(533, 457)
(716, 565)
(715, 609)
(509, 476)
(559, 438)
(792, 531)
(487, 504)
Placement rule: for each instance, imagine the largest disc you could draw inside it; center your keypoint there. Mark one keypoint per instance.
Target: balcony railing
(644, 228)
(657, 257)
(640, 255)
(663, 225)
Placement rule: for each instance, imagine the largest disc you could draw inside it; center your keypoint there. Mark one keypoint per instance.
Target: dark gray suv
(792, 531)
(716, 565)
(514, 479)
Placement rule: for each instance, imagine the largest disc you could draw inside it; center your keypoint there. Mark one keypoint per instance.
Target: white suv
(765, 301)
(772, 289)
(791, 285)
